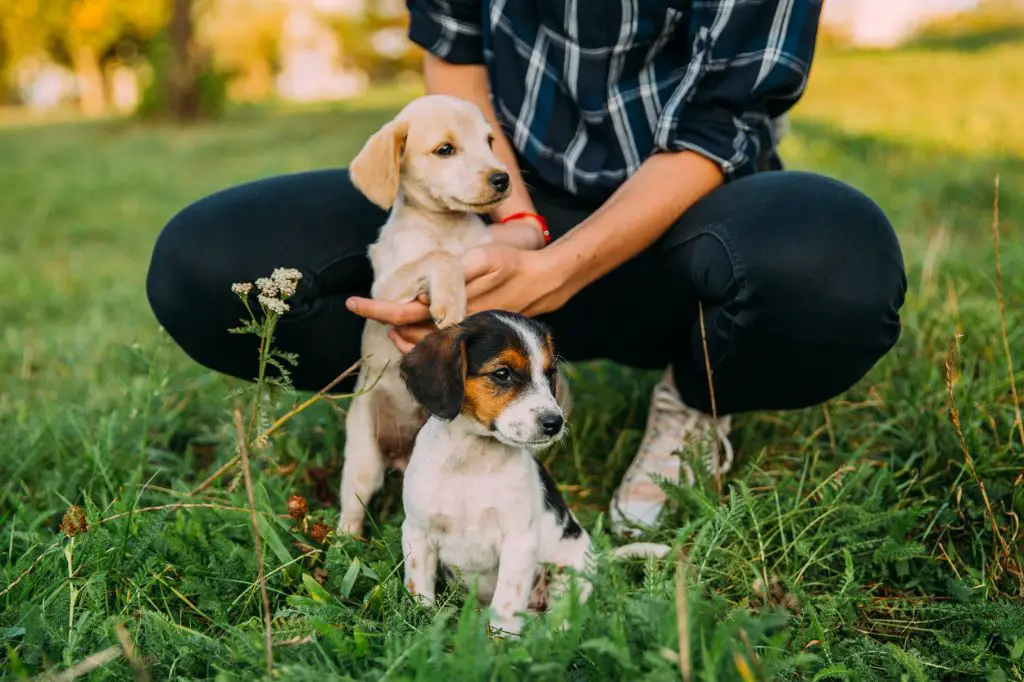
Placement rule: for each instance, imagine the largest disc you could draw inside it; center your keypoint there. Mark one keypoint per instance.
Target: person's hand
(498, 277)
(501, 277)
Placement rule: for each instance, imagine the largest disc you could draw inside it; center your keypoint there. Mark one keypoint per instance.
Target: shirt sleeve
(448, 29)
(750, 64)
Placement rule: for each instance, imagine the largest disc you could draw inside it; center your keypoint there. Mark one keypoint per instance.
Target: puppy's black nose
(551, 423)
(499, 181)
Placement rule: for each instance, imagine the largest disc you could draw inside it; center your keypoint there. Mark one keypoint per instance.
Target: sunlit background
(120, 56)
(116, 114)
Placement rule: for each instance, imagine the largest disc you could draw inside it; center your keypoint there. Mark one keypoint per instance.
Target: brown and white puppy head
(437, 154)
(497, 371)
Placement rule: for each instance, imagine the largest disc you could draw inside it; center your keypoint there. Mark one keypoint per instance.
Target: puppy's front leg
(362, 473)
(403, 284)
(517, 565)
(420, 563)
(574, 553)
(438, 274)
(446, 286)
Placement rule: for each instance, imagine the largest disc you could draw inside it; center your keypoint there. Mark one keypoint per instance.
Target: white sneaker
(671, 428)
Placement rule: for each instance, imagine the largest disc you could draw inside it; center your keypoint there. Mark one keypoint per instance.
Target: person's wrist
(535, 220)
(510, 206)
(531, 218)
(557, 275)
(520, 234)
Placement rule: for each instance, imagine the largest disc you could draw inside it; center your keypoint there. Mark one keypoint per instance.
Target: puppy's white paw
(506, 626)
(424, 599)
(350, 526)
(446, 316)
(448, 305)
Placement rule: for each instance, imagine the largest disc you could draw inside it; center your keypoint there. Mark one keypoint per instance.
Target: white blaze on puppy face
(533, 418)
(448, 163)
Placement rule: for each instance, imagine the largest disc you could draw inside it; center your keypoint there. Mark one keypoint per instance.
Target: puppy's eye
(502, 375)
(490, 141)
(444, 150)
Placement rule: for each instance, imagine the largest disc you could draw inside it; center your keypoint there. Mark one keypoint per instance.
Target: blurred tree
(244, 36)
(186, 85)
(834, 36)
(373, 39)
(182, 97)
(79, 33)
(92, 27)
(23, 30)
(27, 28)
(989, 23)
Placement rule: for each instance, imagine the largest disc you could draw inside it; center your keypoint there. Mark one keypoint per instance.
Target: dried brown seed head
(319, 531)
(74, 522)
(297, 507)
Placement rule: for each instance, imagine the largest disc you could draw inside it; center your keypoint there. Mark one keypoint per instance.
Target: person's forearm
(634, 217)
(470, 82)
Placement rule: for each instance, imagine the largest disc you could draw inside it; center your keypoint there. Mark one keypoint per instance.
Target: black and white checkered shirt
(587, 89)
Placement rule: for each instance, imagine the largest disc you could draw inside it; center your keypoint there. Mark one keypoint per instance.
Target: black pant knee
(316, 222)
(802, 280)
(186, 300)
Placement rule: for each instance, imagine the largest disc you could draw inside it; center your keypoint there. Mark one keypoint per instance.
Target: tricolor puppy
(477, 501)
(433, 167)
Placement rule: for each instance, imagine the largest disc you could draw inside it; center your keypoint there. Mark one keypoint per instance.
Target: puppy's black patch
(555, 503)
(486, 338)
(435, 370)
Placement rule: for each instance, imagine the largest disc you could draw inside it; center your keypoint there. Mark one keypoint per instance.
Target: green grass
(851, 543)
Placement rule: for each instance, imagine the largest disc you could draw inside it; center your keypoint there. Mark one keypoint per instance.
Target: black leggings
(801, 278)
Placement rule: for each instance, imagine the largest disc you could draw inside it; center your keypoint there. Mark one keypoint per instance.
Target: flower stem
(69, 555)
(243, 451)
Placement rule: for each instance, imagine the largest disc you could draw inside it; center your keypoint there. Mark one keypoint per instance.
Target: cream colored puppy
(434, 168)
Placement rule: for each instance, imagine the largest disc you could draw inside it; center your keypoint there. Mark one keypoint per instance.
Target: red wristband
(540, 220)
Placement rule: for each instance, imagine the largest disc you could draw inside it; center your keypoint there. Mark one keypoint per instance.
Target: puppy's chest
(401, 244)
(466, 516)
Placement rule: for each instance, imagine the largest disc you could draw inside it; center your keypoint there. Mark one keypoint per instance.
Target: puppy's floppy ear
(375, 169)
(435, 372)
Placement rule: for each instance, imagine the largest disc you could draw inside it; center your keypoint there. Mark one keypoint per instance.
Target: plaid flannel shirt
(587, 89)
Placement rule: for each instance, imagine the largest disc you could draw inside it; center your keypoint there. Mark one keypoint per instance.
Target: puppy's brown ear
(375, 169)
(435, 372)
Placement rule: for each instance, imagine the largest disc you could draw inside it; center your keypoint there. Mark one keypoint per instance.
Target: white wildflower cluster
(274, 305)
(286, 279)
(273, 290)
(266, 286)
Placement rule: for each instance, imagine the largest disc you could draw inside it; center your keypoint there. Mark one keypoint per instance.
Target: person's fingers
(487, 268)
(480, 261)
(489, 283)
(401, 344)
(477, 290)
(416, 332)
(387, 312)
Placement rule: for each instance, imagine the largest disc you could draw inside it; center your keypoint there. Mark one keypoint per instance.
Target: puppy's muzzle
(499, 181)
(550, 423)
